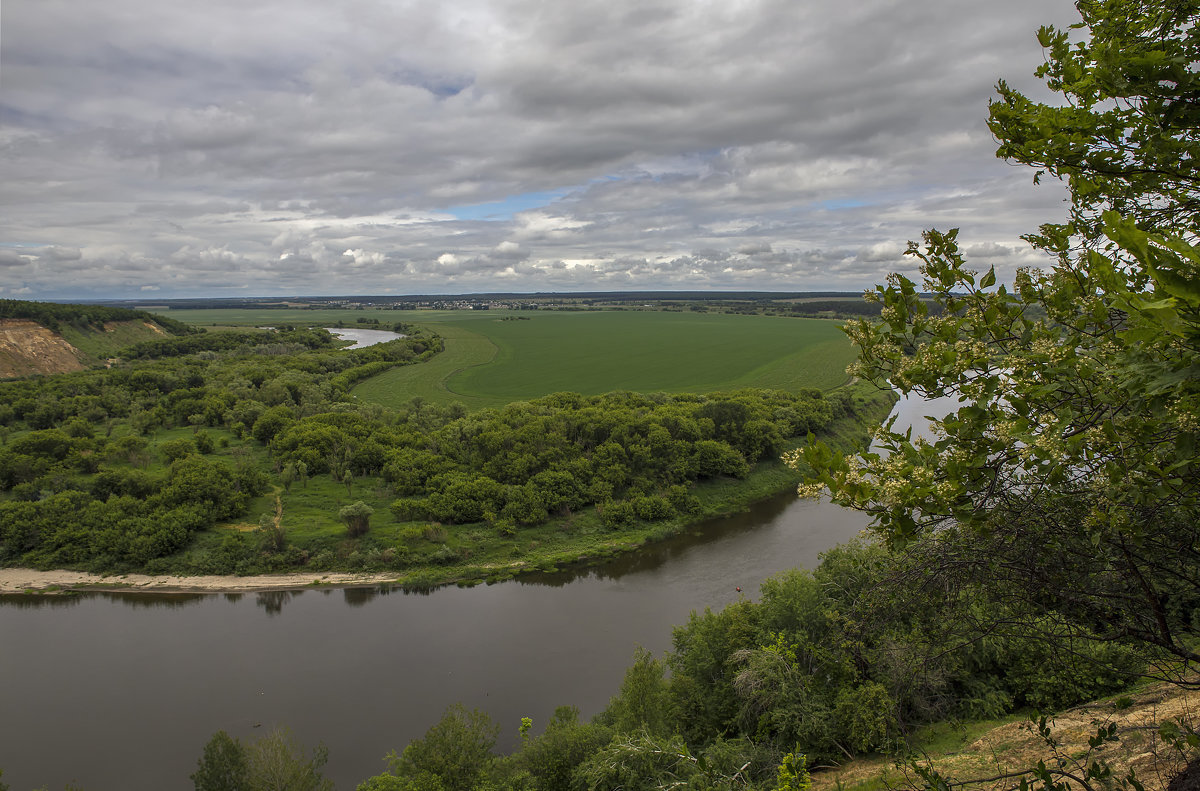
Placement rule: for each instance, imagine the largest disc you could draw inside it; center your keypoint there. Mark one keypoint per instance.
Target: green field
(496, 357)
(492, 362)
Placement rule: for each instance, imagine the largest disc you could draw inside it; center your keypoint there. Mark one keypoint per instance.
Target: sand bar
(13, 580)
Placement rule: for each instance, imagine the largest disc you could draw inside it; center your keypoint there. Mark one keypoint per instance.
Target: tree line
(53, 315)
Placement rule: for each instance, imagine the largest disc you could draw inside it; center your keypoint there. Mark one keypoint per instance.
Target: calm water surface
(362, 338)
(121, 691)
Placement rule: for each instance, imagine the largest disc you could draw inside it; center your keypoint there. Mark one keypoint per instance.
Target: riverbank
(574, 542)
(16, 580)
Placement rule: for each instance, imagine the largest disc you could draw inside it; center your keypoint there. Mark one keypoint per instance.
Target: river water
(121, 691)
(361, 337)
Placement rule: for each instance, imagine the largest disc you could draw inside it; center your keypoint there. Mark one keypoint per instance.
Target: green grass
(490, 362)
(275, 317)
(102, 345)
(464, 349)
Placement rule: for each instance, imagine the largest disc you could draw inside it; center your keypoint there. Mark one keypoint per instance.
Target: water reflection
(29, 601)
(357, 597)
(273, 601)
(654, 556)
(134, 600)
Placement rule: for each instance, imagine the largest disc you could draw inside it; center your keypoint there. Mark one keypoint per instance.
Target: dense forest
(128, 467)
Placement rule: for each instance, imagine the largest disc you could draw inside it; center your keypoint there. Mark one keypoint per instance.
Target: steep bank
(962, 752)
(28, 349)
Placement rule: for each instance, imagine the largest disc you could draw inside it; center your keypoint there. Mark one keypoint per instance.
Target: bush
(357, 517)
(616, 513)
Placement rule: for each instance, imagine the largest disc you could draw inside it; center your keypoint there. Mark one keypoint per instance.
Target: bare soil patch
(28, 348)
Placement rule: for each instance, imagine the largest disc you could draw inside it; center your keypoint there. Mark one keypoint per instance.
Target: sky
(235, 148)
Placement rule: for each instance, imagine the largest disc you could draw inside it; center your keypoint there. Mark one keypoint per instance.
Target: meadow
(495, 357)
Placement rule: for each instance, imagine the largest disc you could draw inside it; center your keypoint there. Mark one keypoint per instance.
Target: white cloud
(281, 146)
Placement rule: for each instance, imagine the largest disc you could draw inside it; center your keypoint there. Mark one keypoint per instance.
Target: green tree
(457, 751)
(1124, 139)
(176, 449)
(222, 767)
(642, 702)
(552, 758)
(1071, 463)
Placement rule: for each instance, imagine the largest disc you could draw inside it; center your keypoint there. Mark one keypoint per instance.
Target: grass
(495, 357)
(275, 317)
(464, 349)
(490, 362)
(117, 336)
(987, 748)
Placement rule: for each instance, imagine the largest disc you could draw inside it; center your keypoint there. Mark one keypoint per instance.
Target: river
(362, 338)
(121, 691)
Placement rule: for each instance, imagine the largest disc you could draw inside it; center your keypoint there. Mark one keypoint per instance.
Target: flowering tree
(1068, 479)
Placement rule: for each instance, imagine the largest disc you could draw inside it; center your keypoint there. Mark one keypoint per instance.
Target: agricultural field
(496, 357)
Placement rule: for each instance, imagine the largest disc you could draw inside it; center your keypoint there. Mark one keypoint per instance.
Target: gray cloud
(284, 147)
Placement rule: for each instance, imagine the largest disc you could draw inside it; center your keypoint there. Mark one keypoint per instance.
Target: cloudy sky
(170, 148)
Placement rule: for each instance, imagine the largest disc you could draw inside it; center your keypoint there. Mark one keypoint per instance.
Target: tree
(1125, 138)
(357, 517)
(1069, 475)
(277, 763)
(223, 765)
(456, 751)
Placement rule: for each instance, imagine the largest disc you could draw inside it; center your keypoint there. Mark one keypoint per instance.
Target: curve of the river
(362, 338)
(121, 691)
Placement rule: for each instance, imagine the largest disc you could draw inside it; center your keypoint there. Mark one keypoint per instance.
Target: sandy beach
(14, 580)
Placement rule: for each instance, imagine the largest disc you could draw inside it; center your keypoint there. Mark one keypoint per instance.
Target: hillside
(28, 348)
(976, 751)
(38, 338)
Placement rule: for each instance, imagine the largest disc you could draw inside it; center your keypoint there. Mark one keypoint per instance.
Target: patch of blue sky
(501, 210)
(441, 85)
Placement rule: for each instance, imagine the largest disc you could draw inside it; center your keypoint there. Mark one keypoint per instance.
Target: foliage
(552, 758)
(1125, 137)
(222, 767)
(642, 702)
(357, 517)
(53, 315)
(274, 762)
(455, 752)
(1070, 464)
(793, 774)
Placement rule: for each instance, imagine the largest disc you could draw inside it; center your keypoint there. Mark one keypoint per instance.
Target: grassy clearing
(495, 357)
(465, 348)
(117, 335)
(500, 358)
